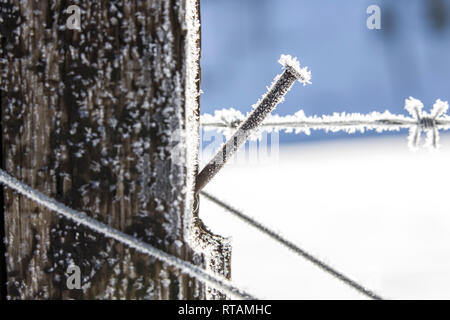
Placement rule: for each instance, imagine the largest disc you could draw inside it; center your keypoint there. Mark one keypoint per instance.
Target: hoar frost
(227, 120)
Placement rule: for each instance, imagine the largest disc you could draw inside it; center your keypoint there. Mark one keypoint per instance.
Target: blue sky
(354, 69)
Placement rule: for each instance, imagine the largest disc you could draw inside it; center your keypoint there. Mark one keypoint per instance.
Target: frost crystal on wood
(87, 118)
(82, 219)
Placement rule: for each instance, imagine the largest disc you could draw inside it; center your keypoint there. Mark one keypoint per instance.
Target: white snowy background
(371, 208)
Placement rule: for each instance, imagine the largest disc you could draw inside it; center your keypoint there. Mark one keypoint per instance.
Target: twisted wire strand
(82, 218)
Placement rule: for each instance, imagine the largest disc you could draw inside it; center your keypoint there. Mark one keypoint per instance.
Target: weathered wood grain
(97, 118)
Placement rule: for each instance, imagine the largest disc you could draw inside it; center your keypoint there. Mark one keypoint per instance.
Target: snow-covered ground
(371, 208)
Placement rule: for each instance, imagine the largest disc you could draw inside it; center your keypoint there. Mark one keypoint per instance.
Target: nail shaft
(273, 97)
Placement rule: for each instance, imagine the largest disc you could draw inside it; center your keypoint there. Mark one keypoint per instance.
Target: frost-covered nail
(275, 94)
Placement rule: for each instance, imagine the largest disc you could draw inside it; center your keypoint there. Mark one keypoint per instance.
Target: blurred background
(365, 204)
(354, 69)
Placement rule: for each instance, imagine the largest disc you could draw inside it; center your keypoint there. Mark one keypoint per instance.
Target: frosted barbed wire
(428, 122)
(82, 218)
(227, 120)
(291, 246)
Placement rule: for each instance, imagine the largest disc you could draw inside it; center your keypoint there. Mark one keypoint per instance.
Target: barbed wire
(418, 121)
(290, 245)
(82, 218)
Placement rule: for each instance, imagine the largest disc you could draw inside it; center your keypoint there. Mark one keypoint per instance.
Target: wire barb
(288, 244)
(82, 218)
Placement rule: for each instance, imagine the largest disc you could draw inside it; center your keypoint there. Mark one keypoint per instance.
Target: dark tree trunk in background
(105, 120)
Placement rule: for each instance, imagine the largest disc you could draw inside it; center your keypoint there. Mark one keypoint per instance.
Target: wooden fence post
(103, 118)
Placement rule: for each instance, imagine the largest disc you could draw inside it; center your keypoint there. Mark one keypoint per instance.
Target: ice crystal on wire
(81, 218)
(414, 107)
(439, 108)
(226, 121)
